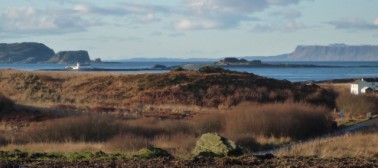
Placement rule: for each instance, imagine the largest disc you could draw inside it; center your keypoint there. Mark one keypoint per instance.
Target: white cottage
(364, 86)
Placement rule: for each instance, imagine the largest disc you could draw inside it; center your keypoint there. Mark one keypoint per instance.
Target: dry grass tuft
(297, 121)
(349, 145)
(127, 143)
(86, 128)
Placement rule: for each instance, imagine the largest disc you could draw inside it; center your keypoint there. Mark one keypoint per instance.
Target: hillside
(24, 53)
(31, 52)
(185, 88)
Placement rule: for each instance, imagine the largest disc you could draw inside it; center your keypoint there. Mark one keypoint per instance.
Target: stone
(212, 144)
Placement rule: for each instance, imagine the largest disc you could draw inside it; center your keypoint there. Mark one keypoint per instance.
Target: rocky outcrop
(27, 52)
(212, 144)
(70, 57)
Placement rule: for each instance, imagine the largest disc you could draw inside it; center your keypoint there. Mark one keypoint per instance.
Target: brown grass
(127, 143)
(87, 128)
(349, 145)
(6, 105)
(178, 88)
(292, 120)
(356, 106)
(256, 127)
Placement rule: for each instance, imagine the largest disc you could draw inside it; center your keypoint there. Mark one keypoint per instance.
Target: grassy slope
(185, 88)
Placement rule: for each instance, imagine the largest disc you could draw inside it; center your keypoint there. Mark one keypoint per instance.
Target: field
(68, 119)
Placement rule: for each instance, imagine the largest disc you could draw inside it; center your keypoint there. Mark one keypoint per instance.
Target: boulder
(212, 144)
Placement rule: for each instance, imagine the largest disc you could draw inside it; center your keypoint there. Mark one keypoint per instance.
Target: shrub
(127, 143)
(5, 104)
(88, 128)
(177, 144)
(279, 120)
(357, 105)
(208, 123)
(3, 140)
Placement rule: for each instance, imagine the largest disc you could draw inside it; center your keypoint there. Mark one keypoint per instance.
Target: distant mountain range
(333, 52)
(30, 52)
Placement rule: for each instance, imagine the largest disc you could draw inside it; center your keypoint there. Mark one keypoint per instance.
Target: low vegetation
(357, 106)
(82, 116)
(254, 127)
(360, 144)
(123, 93)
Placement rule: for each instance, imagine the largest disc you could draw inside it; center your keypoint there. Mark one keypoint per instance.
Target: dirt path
(357, 127)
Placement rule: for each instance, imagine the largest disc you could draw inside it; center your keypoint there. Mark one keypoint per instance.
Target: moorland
(109, 119)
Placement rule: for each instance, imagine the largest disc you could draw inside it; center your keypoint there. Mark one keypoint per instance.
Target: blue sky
(187, 28)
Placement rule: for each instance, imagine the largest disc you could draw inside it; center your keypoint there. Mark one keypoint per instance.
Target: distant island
(333, 52)
(31, 52)
(233, 62)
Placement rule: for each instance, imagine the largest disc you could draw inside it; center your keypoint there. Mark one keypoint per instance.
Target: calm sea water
(345, 69)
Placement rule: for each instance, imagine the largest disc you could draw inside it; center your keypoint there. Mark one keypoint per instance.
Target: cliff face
(25, 53)
(338, 52)
(70, 57)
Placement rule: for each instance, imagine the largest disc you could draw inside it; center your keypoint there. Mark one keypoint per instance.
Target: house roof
(365, 88)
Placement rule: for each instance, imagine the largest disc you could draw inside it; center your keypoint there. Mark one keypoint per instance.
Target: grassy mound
(208, 88)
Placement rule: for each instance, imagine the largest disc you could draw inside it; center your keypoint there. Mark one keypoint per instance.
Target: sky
(123, 29)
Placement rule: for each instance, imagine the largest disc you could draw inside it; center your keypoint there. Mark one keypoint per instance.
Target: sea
(335, 70)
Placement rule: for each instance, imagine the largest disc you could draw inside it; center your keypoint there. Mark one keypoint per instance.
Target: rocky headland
(32, 53)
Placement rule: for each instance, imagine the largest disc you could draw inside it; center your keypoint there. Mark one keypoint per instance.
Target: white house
(364, 86)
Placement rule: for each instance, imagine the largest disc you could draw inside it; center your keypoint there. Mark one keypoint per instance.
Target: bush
(279, 120)
(3, 140)
(357, 105)
(208, 123)
(127, 143)
(6, 104)
(88, 128)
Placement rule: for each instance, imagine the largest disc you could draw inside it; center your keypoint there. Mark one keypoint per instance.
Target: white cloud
(221, 14)
(262, 28)
(282, 2)
(73, 16)
(187, 24)
(205, 6)
(288, 13)
(286, 27)
(28, 20)
(376, 22)
(294, 26)
(19, 13)
(354, 24)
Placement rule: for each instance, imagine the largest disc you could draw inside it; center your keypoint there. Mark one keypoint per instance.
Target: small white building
(364, 86)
